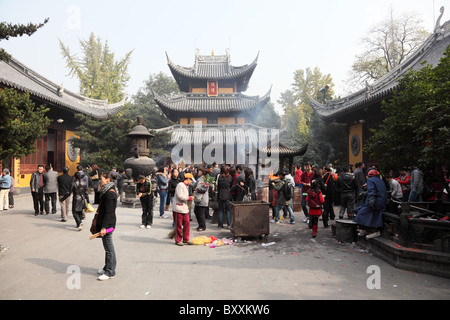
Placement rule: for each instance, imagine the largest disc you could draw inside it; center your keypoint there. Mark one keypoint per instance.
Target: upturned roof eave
(177, 105)
(384, 87)
(183, 75)
(20, 77)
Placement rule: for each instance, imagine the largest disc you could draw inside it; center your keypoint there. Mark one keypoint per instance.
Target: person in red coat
(404, 180)
(305, 180)
(314, 198)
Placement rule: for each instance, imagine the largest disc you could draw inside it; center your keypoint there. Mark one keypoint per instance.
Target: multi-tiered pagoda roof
(211, 93)
(229, 100)
(225, 103)
(212, 68)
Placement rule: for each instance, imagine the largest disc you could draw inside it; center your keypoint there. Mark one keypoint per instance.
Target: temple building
(361, 111)
(212, 92)
(213, 109)
(54, 148)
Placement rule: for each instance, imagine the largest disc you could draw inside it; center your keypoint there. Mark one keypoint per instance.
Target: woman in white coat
(181, 210)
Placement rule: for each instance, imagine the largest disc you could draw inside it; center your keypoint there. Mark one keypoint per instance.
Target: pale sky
(289, 35)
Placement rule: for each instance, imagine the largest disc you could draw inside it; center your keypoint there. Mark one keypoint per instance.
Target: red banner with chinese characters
(213, 88)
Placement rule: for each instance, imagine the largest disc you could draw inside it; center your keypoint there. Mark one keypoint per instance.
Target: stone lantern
(139, 162)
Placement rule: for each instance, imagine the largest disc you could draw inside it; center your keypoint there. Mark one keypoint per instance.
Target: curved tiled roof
(16, 75)
(224, 133)
(285, 150)
(212, 68)
(139, 130)
(431, 51)
(201, 103)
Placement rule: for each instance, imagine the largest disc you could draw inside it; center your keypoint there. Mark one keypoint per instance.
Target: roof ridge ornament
(442, 31)
(228, 60)
(437, 28)
(60, 90)
(369, 89)
(197, 55)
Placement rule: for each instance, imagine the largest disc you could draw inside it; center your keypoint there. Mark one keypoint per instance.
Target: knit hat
(373, 172)
(188, 176)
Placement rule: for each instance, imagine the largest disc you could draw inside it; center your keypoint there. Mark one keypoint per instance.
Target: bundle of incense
(95, 235)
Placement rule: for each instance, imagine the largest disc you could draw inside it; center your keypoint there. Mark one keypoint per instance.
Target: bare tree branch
(387, 44)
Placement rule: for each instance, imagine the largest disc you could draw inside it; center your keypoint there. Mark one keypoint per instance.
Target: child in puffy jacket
(314, 198)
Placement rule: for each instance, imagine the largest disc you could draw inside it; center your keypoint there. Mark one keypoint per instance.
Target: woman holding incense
(107, 219)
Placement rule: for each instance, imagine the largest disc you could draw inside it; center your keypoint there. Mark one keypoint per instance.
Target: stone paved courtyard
(41, 253)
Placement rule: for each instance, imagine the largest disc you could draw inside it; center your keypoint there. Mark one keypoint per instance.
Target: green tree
(268, 117)
(416, 128)
(8, 30)
(103, 142)
(144, 105)
(308, 83)
(328, 142)
(100, 75)
(387, 44)
(295, 128)
(21, 123)
(159, 146)
(301, 125)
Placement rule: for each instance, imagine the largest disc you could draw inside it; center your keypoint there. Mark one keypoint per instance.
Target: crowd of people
(363, 193)
(73, 194)
(222, 184)
(345, 187)
(48, 186)
(360, 193)
(205, 183)
(356, 191)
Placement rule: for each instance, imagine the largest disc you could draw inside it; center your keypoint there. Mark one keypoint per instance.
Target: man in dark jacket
(328, 210)
(239, 188)
(172, 185)
(37, 190)
(346, 184)
(64, 194)
(144, 192)
(360, 179)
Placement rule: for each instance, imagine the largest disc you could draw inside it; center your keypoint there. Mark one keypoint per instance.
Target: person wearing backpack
(291, 182)
(284, 197)
(314, 198)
